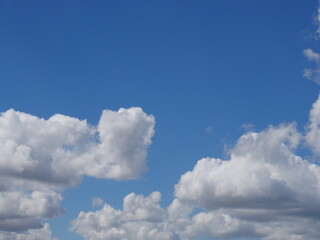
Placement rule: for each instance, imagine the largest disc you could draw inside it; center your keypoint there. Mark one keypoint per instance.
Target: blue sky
(203, 69)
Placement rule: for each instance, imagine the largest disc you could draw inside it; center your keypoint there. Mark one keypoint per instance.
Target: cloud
(23, 210)
(264, 190)
(247, 126)
(59, 150)
(311, 55)
(312, 73)
(121, 153)
(96, 202)
(313, 135)
(39, 158)
(262, 170)
(43, 233)
(141, 218)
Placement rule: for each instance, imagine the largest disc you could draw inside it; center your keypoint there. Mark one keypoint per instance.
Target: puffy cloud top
(262, 173)
(141, 218)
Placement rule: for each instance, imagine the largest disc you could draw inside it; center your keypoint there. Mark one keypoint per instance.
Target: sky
(162, 120)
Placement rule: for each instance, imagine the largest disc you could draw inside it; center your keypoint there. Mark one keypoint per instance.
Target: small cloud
(209, 129)
(96, 202)
(311, 55)
(312, 73)
(247, 126)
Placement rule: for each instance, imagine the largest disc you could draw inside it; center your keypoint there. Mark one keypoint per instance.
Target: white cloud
(141, 218)
(312, 73)
(311, 55)
(265, 190)
(313, 135)
(219, 226)
(43, 233)
(317, 20)
(121, 154)
(61, 149)
(23, 210)
(39, 158)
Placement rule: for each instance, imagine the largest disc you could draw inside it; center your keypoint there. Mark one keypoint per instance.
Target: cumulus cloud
(141, 218)
(43, 233)
(264, 190)
(39, 158)
(21, 210)
(313, 135)
(61, 149)
(262, 170)
(124, 137)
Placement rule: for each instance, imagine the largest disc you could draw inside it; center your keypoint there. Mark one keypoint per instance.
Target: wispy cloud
(209, 129)
(96, 202)
(313, 73)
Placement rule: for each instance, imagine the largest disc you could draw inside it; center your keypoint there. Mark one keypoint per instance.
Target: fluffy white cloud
(21, 210)
(141, 218)
(265, 190)
(311, 55)
(124, 137)
(43, 233)
(313, 135)
(39, 158)
(262, 172)
(61, 149)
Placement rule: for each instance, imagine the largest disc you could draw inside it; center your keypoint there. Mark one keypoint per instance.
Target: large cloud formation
(39, 158)
(265, 190)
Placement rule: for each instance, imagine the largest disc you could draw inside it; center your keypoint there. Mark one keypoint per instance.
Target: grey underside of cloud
(43, 233)
(40, 158)
(264, 190)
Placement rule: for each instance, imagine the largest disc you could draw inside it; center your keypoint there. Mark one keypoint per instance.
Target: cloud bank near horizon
(264, 190)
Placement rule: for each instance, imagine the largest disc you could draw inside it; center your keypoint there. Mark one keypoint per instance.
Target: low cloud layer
(264, 190)
(39, 158)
